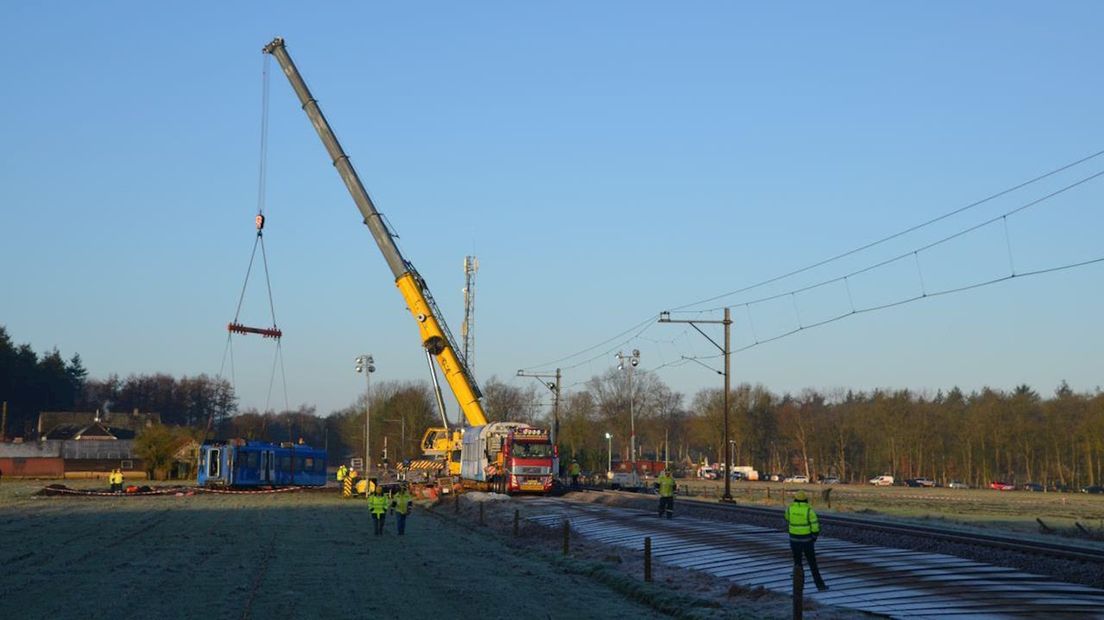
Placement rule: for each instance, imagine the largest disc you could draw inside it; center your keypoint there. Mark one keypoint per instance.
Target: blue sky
(605, 161)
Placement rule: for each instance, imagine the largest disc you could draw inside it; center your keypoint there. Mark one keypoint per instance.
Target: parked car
(707, 473)
(830, 480)
(1032, 486)
(1002, 486)
(958, 484)
(797, 479)
(920, 482)
(1093, 489)
(882, 481)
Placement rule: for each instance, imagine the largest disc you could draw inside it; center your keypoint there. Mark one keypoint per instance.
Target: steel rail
(1008, 543)
(875, 578)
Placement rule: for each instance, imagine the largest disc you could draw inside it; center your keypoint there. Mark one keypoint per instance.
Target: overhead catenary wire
(846, 278)
(895, 235)
(908, 300)
(917, 250)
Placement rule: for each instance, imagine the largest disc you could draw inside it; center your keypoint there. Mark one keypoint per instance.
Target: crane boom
(436, 338)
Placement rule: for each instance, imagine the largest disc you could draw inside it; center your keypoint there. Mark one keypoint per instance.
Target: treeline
(1016, 436)
(30, 383)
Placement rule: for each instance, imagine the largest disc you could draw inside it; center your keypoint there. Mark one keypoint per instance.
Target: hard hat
(800, 496)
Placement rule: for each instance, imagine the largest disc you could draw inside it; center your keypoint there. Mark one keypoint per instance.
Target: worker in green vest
(342, 472)
(666, 484)
(377, 505)
(401, 504)
(804, 528)
(574, 471)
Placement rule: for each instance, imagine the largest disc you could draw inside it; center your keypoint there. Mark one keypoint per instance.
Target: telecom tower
(467, 328)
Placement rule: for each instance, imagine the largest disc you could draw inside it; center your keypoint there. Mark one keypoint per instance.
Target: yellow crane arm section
(437, 343)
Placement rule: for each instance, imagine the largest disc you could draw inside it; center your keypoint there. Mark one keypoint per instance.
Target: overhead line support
(665, 317)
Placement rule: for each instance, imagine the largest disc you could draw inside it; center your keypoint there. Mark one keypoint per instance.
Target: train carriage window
(253, 460)
(301, 464)
(308, 464)
(285, 463)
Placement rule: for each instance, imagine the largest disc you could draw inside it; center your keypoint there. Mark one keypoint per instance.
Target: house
(77, 444)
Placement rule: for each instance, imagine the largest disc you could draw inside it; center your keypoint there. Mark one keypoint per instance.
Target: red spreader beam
(238, 328)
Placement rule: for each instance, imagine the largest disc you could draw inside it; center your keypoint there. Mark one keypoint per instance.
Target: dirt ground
(311, 554)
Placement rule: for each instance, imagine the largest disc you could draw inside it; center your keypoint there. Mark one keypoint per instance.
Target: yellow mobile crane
(438, 442)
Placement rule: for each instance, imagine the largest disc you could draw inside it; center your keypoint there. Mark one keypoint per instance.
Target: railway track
(1006, 543)
(894, 582)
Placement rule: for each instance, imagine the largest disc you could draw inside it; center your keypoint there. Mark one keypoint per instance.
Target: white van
(882, 481)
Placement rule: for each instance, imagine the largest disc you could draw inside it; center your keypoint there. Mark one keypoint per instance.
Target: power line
(906, 231)
(884, 307)
(646, 324)
(908, 300)
(922, 248)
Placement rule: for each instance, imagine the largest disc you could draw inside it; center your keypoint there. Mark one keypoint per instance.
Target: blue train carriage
(241, 463)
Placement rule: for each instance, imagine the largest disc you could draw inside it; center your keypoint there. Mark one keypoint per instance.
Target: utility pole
(402, 437)
(555, 387)
(665, 317)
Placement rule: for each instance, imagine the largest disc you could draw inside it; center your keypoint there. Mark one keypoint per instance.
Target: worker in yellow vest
(401, 504)
(666, 484)
(804, 527)
(574, 471)
(116, 480)
(341, 473)
(377, 505)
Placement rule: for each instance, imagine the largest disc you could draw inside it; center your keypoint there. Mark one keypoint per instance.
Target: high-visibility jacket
(802, 520)
(666, 485)
(402, 502)
(574, 470)
(377, 504)
(341, 471)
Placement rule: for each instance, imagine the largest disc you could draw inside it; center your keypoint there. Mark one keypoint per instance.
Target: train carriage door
(270, 470)
(262, 473)
(230, 478)
(214, 470)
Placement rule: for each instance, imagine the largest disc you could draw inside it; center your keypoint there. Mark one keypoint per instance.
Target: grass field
(306, 555)
(287, 555)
